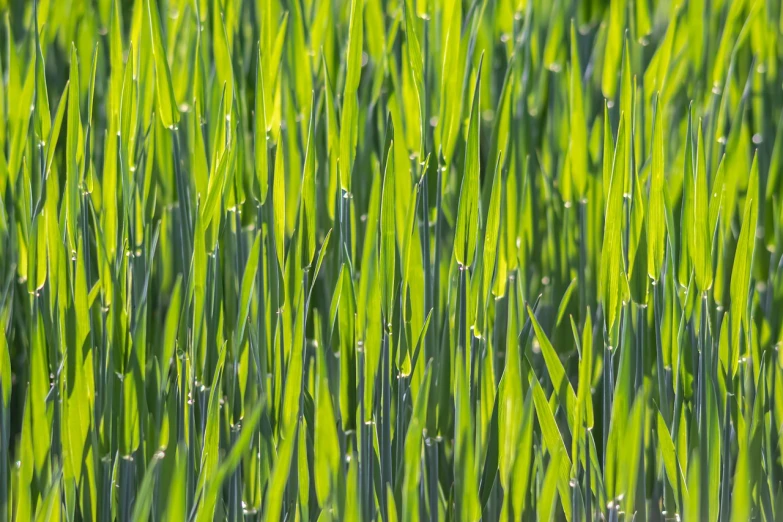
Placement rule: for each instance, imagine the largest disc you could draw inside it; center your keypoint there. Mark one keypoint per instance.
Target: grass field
(389, 260)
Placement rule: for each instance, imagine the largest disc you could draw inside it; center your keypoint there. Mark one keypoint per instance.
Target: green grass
(391, 260)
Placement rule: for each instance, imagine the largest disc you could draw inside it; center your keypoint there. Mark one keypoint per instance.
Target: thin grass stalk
(274, 269)
(261, 297)
(769, 444)
(583, 261)
(5, 420)
(432, 456)
(127, 486)
(386, 455)
(461, 353)
(361, 433)
(429, 276)
(725, 493)
(676, 423)
(234, 493)
(399, 428)
(475, 372)
(370, 471)
(305, 310)
(345, 221)
(576, 514)
(106, 398)
(282, 362)
(702, 406)
(659, 295)
(640, 336)
(588, 472)
(641, 485)
(105, 498)
(182, 194)
(435, 267)
(190, 498)
(423, 487)
(607, 394)
(660, 487)
(438, 354)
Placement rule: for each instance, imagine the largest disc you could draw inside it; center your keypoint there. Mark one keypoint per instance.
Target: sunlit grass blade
(467, 213)
(387, 251)
(260, 132)
(164, 92)
(741, 269)
(349, 116)
(612, 270)
(578, 139)
(555, 445)
(702, 238)
(560, 382)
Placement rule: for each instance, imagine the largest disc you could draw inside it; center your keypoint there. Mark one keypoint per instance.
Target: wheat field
(381, 260)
